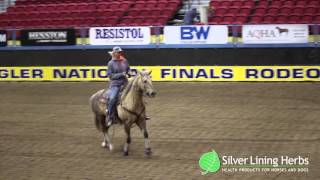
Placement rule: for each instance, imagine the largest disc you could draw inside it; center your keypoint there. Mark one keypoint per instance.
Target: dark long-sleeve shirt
(116, 69)
(189, 17)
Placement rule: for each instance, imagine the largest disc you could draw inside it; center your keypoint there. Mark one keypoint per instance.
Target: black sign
(48, 37)
(3, 38)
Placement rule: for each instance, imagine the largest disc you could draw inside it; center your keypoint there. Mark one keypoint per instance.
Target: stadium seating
(86, 13)
(265, 11)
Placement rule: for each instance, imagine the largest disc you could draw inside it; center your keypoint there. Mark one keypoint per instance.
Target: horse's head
(145, 83)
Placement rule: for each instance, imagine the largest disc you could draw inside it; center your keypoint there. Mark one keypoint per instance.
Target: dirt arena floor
(47, 130)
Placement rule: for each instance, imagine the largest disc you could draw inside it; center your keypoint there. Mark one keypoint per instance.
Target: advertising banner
(3, 38)
(274, 34)
(48, 37)
(166, 73)
(196, 34)
(120, 35)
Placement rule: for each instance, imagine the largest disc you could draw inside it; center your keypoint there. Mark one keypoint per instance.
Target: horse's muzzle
(151, 94)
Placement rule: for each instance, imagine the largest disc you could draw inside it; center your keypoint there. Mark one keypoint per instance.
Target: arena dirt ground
(47, 130)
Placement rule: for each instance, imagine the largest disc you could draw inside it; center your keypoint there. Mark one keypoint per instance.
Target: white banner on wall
(120, 35)
(272, 34)
(196, 34)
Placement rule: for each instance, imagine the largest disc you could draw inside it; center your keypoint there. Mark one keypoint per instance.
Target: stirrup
(109, 123)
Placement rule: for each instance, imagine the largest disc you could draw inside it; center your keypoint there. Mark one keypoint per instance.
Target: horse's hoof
(104, 144)
(148, 151)
(125, 153)
(110, 147)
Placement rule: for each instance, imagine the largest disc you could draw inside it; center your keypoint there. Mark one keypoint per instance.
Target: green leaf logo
(209, 162)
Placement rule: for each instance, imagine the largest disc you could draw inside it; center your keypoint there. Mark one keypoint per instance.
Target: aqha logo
(260, 34)
(282, 31)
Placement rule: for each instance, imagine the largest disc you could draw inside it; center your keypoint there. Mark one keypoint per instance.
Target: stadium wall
(166, 57)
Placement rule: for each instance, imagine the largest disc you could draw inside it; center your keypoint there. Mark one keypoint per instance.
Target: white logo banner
(272, 34)
(196, 34)
(120, 35)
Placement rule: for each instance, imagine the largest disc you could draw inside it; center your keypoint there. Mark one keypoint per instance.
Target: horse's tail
(99, 119)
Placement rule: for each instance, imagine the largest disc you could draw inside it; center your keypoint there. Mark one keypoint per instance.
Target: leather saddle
(104, 98)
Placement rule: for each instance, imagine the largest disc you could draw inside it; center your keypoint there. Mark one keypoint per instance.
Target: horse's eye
(145, 81)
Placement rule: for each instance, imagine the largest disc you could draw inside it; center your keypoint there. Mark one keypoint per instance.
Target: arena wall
(165, 57)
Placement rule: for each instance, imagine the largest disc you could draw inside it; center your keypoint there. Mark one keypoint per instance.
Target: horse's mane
(128, 87)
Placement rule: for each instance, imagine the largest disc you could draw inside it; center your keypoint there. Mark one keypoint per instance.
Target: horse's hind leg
(100, 120)
(106, 140)
(128, 141)
(143, 127)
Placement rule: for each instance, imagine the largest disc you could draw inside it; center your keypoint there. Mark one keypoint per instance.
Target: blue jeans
(113, 97)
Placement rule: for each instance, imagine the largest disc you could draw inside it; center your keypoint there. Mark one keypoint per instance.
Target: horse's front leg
(128, 140)
(143, 127)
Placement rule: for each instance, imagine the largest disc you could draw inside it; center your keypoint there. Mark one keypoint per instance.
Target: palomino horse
(131, 110)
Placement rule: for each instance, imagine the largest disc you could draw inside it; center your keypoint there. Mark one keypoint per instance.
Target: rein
(132, 112)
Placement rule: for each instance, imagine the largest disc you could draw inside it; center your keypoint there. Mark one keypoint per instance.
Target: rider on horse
(118, 69)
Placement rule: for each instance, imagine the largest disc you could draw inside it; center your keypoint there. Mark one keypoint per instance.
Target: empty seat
(268, 19)
(215, 4)
(310, 10)
(240, 19)
(276, 3)
(273, 10)
(225, 3)
(162, 5)
(316, 19)
(151, 5)
(281, 19)
(237, 3)
(139, 5)
(244, 11)
(297, 11)
(313, 3)
(227, 20)
(288, 3)
(301, 3)
(285, 11)
(221, 11)
(125, 5)
(263, 4)
(260, 11)
(307, 19)
(248, 3)
(293, 19)
(215, 20)
(232, 11)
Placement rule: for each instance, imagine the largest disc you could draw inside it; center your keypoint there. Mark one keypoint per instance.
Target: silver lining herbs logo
(210, 162)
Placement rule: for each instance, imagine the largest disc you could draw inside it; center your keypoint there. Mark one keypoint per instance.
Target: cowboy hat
(116, 49)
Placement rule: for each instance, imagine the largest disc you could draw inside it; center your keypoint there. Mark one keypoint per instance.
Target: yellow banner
(166, 73)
